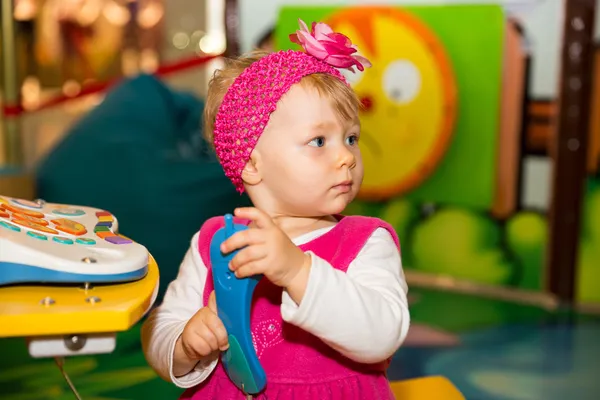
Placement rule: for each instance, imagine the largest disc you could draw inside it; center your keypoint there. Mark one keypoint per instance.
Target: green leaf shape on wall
(588, 274)
(527, 240)
(462, 244)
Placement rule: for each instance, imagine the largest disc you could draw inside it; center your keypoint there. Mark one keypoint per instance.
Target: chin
(338, 207)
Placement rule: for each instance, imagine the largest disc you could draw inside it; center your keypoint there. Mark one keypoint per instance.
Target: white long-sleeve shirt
(362, 313)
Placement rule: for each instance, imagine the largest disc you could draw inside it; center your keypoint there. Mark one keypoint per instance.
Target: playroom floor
(491, 350)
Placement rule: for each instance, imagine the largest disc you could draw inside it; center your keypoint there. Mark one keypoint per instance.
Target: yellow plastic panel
(23, 312)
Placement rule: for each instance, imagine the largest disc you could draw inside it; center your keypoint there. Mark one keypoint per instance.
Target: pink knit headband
(253, 96)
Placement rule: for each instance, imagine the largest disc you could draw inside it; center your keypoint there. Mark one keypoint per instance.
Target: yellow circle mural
(408, 96)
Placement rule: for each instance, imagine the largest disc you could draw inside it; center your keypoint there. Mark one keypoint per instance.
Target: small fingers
(249, 269)
(218, 329)
(195, 346)
(260, 218)
(242, 239)
(212, 302)
(207, 334)
(248, 255)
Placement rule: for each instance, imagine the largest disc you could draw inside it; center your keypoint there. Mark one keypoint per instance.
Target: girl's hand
(204, 333)
(266, 250)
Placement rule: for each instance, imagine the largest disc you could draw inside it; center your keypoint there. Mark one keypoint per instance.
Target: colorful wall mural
(448, 125)
(589, 253)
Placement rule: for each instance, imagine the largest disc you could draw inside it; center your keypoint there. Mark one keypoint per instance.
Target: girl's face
(309, 161)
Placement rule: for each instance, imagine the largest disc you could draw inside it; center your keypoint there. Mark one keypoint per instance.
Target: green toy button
(62, 240)
(37, 235)
(10, 226)
(86, 241)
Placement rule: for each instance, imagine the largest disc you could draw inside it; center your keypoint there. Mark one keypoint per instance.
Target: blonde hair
(343, 98)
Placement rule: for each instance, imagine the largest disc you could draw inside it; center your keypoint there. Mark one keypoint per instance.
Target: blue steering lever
(234, 299)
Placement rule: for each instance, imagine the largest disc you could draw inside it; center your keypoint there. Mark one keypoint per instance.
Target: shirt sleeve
(165, 323)
(362, 313)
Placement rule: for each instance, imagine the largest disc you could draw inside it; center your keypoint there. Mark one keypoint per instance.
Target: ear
(251, 174)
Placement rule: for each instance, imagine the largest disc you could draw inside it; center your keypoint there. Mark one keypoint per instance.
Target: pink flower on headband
(331, 47)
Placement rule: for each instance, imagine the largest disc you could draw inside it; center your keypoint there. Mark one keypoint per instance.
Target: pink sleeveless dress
(298, 365)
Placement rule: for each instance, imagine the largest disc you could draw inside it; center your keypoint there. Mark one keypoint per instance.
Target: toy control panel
(53, 243)
(234, 299)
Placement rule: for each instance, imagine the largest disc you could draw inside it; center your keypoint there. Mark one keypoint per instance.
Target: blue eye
(317, 142)
(352, 140)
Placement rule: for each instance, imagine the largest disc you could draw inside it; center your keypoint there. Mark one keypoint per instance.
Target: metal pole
(13, 156)
(569, 148)
(232, 21)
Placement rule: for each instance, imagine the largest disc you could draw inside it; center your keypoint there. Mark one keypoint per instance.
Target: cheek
(359, 168)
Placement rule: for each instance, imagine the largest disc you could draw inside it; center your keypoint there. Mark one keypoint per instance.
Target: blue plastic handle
(234, 300)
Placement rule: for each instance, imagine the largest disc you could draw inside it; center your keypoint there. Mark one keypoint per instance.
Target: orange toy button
(33, 225)
(69, 226)
(32, 219)
(20, 210)
(105, 234)
(4, 214)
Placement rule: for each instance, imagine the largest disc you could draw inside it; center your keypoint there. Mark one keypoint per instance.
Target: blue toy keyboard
(234, 299)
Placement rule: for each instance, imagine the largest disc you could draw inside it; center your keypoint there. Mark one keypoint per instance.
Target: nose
(346, 158)
(367, 103)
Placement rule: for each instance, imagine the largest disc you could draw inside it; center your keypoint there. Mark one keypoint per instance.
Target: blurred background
(481, 129)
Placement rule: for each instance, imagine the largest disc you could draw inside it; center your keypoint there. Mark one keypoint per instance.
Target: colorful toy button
(27, 203)
(33, 225)
(104, 234)
(10, 226)
(104, 216)
(20, 210)
(69, 226)
(62, 240)
(68, 212)
(118, 240)
(35, 220)
(37, 235)
(103, 223)
(86, 241)
(4, 214)
(3, 200)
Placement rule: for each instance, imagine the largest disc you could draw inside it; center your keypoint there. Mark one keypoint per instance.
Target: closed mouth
(345, 183)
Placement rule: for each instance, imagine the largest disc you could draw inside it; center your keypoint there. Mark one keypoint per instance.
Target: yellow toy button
(20, 210)
(33, 225)
(69, 226)
(35, 220)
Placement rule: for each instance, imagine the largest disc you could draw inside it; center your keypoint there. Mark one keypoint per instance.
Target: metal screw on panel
(93, 299)
(88, 260)
(75, 342)
(87, 286)
(47, 301)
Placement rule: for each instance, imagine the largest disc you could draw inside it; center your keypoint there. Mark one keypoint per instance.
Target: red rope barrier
(12, 110)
